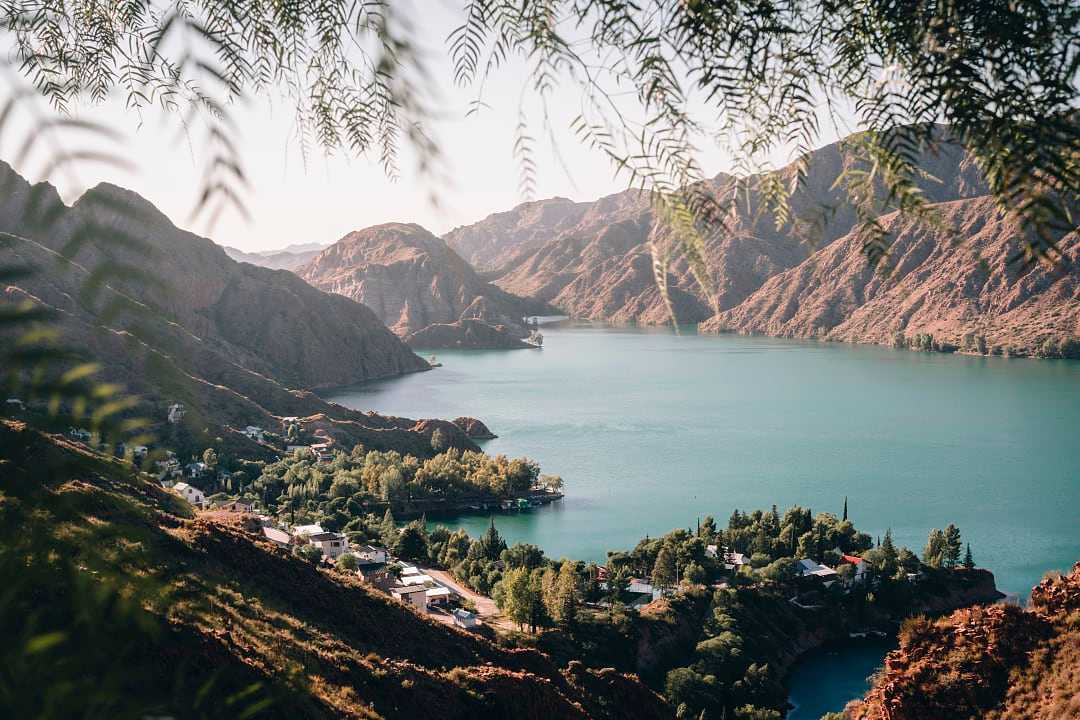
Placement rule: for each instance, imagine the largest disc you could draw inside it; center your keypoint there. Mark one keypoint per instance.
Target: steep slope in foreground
(226, 623)
(412, 280)
(997, 662)
(934, 288)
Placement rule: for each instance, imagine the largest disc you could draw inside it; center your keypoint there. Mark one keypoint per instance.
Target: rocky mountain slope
(413, 280)
(236, 344)
(121, 599)
(291, 257)
(594, 260)
(997, 662)
(935, 295)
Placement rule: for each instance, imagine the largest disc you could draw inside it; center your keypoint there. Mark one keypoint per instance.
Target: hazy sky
(293, 202)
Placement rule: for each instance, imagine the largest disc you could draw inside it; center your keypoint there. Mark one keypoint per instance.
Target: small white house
(439, 595)
(195, 469)
(276, 536)
(419, 579)
(372, 554)
(333, 545)
(308, 529)
(193, 495)
(808, 567)
(415, 595)
(465, 619)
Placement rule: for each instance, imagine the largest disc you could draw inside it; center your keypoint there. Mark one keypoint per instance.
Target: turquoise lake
(652, 430)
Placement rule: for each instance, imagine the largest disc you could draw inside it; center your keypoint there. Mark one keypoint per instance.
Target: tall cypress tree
(845, 507)
(969, 562)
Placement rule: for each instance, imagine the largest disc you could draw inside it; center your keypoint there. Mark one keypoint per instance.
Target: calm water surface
(824, 680)
(652, 430)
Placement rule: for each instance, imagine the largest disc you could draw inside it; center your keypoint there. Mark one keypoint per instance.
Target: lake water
(842, 671)
(652, 430)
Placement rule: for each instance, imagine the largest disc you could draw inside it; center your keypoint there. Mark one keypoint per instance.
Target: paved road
(485, 606)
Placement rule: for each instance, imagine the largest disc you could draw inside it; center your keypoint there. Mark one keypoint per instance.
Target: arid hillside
(934, 294)
(997, 662)
(147, 609)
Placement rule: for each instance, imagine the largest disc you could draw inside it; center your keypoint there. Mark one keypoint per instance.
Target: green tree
(439, 443)
(889, 555)
(492, 542)
(519, 595)
(663, 572)
(388, 530)
(562, 595)
(934, 552)
(347, 562)
(749, 712)
(210, 458)
(412, 543)
(694, 574)
(309, 552)
(969, 562)
(953, 546)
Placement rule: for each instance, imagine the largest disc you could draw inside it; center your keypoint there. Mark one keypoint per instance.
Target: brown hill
(268, 321)
(997, 662)
(120, 599)
(412, 280)
(229, 341)
(932, 289)
(597, 262)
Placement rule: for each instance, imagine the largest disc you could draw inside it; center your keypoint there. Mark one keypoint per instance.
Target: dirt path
(485, 606)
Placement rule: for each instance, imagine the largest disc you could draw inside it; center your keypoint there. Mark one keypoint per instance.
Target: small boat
(434, 363)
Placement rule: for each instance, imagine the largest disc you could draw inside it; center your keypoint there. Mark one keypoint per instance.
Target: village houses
(332, 544)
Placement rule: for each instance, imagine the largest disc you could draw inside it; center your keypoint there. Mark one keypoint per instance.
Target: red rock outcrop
(998, 662)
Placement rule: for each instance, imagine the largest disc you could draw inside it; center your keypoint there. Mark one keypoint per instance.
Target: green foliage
(347, 562)
(934, 553)
(520, 595)
(412, 542)
(663, 573)
(969, 562)
(953, 546)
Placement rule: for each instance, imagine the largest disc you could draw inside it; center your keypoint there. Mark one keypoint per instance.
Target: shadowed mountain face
(412, 280)
(236, 344)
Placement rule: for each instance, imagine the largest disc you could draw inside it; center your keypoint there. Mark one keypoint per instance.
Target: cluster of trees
(338, 493)
(943, 548)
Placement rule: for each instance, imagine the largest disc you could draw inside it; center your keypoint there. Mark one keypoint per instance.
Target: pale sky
(291, 203)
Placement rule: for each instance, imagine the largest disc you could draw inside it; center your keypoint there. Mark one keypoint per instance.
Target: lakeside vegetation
(722, 626)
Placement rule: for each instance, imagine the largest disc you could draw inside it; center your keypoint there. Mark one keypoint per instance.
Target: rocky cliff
(998, 662)
(935, 294)
(413, 280)
(594, 259)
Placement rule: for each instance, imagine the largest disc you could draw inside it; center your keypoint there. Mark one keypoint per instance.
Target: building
(465, 619)
(415, 596)
(176, 413)
(193, 495)
(439, 595)
(308, 529)
(371, 555)
(323, 451)
(239, 506)
(861, 566)
(808, 568)
(254, 432)
(333, 545)
(417, 579)
(140, 451)
(195, 469)
(278, 537)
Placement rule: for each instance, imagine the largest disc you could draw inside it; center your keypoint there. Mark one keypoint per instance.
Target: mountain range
(954, 284)
(171, 318)
(420, 288)
(289, 257)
